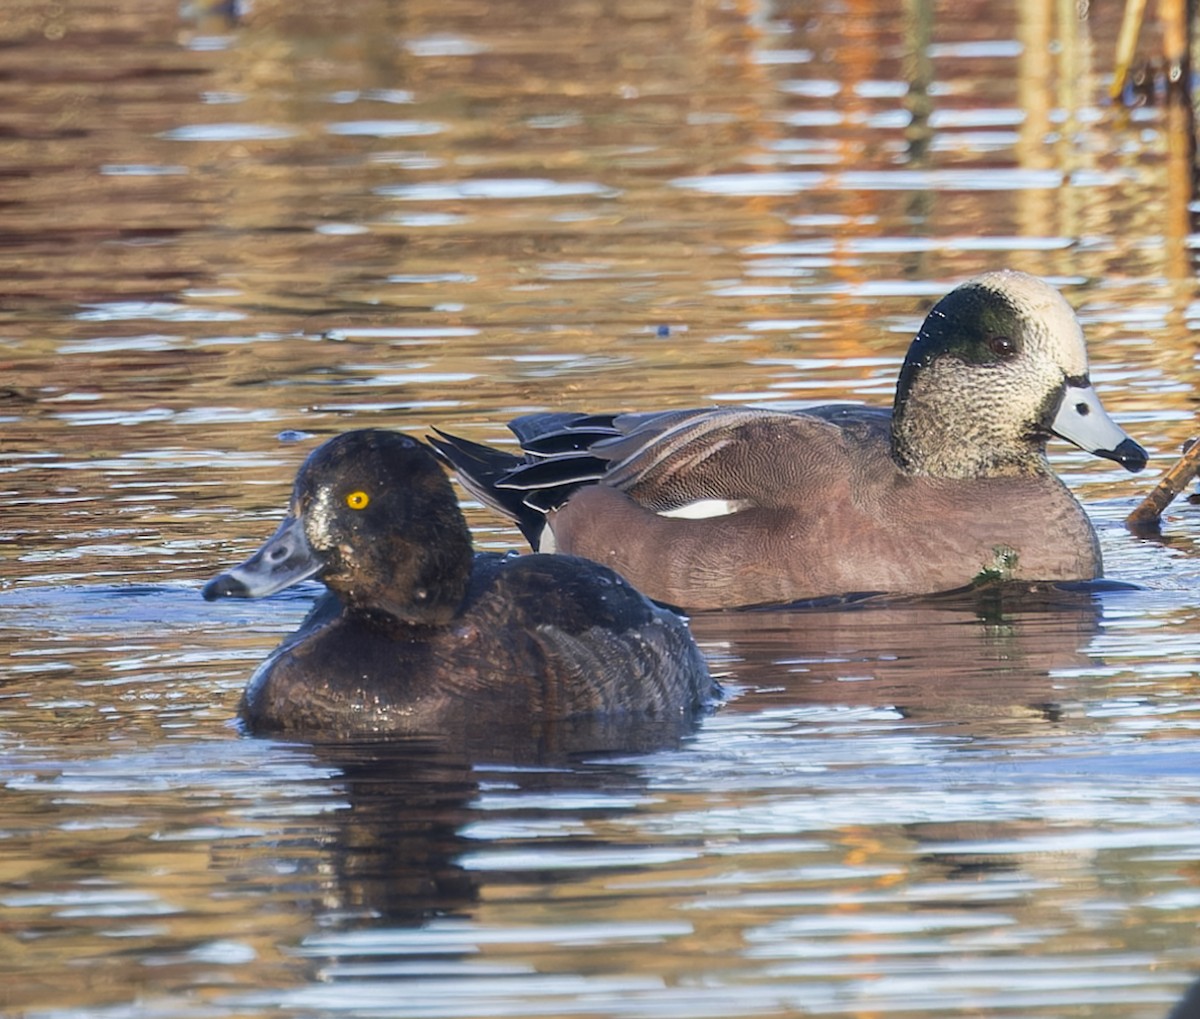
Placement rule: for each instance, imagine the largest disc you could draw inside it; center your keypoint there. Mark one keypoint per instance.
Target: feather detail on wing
(683, 463)
(742, 456)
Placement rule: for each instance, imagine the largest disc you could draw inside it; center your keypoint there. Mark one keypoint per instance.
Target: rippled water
(225, 238)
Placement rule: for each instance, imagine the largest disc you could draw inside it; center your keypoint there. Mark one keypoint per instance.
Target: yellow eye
(357, 500)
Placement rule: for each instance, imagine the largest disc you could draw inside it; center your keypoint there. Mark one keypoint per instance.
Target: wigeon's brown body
(718, 508)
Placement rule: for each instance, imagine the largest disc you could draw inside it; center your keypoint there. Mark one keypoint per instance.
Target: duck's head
(374, 518)
(997, 368)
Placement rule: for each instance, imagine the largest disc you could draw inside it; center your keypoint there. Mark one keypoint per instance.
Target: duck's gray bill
(285, 559)
(1082, 419)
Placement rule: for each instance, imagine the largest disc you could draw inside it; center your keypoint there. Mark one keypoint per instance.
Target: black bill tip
(224, 586)
(1129, 455)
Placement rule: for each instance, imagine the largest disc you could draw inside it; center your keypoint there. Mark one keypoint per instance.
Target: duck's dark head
(374, 518)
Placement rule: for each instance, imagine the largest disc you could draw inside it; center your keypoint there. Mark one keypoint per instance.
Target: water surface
(226, 238)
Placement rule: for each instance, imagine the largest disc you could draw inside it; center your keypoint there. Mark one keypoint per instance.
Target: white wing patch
(705, 509)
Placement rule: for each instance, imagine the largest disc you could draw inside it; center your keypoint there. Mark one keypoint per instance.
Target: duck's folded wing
(740, 456)
(553, 433)
(692, 462)
(564, 452)
(706, 462)
(861, 419)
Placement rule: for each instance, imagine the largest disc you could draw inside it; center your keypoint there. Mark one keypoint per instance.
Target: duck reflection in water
(975, 661)
(418, 635)
(396, 855)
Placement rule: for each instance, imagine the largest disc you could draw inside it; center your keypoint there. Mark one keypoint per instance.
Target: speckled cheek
(318, 521)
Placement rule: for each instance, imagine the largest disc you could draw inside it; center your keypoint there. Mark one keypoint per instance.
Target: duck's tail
(555, 461)
(480, 469)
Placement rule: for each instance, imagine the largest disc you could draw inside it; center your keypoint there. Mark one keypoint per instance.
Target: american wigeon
(420, 635)
(715, 508)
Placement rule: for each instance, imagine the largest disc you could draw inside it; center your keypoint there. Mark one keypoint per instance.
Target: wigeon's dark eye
(1002, 346)
(358, 500)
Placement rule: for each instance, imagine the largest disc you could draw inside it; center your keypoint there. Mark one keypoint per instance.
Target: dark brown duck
(418, 634)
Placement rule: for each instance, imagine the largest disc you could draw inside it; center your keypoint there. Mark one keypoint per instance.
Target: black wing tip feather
(480, 469)
(569, 470)
(555, 464)
(454, 449)
(532, 427)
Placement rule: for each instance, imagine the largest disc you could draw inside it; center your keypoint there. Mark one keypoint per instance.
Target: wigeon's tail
(555, 461)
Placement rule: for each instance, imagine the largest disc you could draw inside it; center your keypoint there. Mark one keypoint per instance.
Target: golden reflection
(988, 666)
(183, 281)
(228, 237)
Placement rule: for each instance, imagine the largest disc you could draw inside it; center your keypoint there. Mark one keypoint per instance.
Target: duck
(732, 507)
(419, 635)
